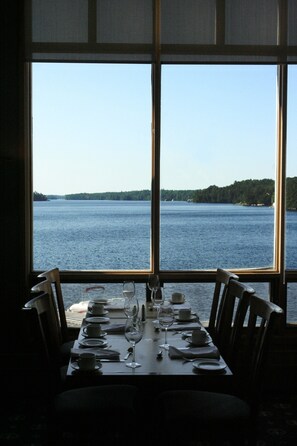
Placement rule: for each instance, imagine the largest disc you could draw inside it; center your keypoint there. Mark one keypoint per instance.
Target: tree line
(245, 192)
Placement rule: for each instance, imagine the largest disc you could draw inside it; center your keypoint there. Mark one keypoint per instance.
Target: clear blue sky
(92, 126)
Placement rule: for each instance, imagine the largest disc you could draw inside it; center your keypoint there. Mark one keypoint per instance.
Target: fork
(189, 359)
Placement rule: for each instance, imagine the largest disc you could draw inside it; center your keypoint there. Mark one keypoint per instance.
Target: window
(218, 128)
(92, 134)
(180, 102)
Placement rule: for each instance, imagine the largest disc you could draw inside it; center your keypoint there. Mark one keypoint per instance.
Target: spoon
(130, 350)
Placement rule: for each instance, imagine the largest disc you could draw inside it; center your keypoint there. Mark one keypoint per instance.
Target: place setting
(97, 309)
(198, 338)
(203, 355)
(86, 362)
(185, 315)
(93, 331)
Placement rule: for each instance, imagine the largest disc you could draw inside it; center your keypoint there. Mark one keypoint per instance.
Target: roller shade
(172, 31)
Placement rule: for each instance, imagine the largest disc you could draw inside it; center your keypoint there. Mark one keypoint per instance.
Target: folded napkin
(180, 327)
(100, 353)
(115, 303)
(194, 352)
(115, 328)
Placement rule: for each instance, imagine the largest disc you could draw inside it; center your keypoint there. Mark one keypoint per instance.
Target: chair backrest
(48, 315)
(223, 277)
(41, 319)
(231, 318)
(263, 318)
(53, 276)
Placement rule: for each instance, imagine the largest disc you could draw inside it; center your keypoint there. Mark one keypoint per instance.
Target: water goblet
(153, 284)
(133, 334)
(158, 298)
(166, 319)
(131, 304)
(128, 289)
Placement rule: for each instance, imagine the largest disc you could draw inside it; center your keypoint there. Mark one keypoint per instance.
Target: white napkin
(188, 326)
(194, 352)
(100, 353)
(114, 328)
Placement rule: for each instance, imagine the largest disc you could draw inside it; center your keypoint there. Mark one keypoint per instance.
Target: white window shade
(174, 31)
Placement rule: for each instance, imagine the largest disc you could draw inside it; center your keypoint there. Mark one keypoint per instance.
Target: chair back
(263, 319)
(48, 317)
(43, 339)
(231, 319)
(223, 278)
(53, 276)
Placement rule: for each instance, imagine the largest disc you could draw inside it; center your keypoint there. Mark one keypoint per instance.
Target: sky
(92, 126)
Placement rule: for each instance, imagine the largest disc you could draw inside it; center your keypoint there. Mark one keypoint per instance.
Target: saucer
(93, 342)
(198, 344)
(176, 303)
(209, 365)
(75, 366)
(102, 334)
(99, 300)
(190, 319)
(97, 320)
(101, 314)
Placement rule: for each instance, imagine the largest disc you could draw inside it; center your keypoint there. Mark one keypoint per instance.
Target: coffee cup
(177, 298)
(92, 330)
(184, 314)
(199, 337)
(87, 361)
(97, 308)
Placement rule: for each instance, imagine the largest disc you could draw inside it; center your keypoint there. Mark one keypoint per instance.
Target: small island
(37, 196)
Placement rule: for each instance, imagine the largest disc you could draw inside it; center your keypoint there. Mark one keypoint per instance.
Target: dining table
(160, 369)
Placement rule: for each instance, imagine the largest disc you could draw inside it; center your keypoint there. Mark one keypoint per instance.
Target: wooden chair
(53, 276)
(48, 336)
(232, 315)
(64, 347)
(217, 417)
(105, 413)
(223, 278)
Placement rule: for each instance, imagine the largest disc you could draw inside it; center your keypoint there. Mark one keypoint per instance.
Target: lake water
(114, 235)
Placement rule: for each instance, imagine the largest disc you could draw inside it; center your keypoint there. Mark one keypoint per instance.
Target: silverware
(111, 360)
(127, 356)
(130, 351)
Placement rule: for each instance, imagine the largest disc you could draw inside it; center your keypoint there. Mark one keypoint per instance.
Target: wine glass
(158, 298)
(128, 289)
(131, 305)
(133, 334)
(166, 319)
(153, 284)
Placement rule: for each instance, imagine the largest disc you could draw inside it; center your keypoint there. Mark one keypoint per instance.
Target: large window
(92, 134)
(174, 113)
(218, 132)
(92, 159)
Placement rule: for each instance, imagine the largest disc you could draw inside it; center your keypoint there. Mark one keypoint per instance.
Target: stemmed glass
(166, 319)
(133, 334)
(153, 284)
(131, 305)
(158, 298)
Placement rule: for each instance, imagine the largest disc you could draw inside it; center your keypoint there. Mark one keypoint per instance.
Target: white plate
(75, 365)
(93, 342)
(97, 320)
(201, 344)
(85, 334)
(101, 314)
(209, 365)
(192, 318)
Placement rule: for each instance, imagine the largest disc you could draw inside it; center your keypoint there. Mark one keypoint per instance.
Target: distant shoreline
(246, 193)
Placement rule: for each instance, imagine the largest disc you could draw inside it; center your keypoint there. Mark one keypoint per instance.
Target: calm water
(116, 235)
